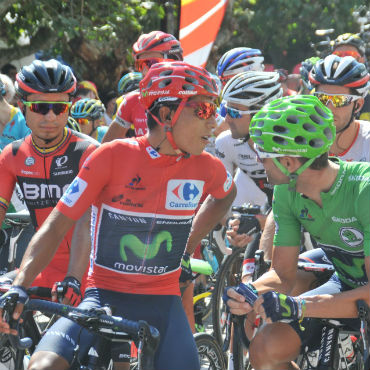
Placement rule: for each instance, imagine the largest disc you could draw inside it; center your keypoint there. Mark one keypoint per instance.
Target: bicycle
(332, 351)
(100, 321)
(18, 222)
(324, 47)
(209, 351)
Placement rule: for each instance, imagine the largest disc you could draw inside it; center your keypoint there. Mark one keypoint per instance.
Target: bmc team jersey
(237, 153)
(360, 148)
(43, 176)
(142, 212)
(131, 111)
(341, 226)
(15, 129)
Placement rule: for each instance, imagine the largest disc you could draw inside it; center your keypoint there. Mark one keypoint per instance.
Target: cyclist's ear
(359, 104)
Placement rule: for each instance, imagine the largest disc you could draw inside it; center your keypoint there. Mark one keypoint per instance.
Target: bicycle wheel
(11, 358)
(229, 274)
(210, 353)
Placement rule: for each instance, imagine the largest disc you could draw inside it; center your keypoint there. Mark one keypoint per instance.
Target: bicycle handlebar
(98, 321)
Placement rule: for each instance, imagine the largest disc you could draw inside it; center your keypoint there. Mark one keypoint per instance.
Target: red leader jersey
(43, 175)
(132, 111)
(142, 212)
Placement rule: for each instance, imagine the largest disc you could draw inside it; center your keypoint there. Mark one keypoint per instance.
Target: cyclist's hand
(67, 291)
(186, 272)
(236, 301)
(11, 303)
(234, 238)
(273, 306)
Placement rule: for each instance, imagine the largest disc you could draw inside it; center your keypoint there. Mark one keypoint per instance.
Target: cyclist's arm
(42, 247)
(115, 131)
(80, 247)
(267, 237)
(209, 214)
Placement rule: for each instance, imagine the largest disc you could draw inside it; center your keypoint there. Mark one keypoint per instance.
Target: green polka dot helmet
(297, 125)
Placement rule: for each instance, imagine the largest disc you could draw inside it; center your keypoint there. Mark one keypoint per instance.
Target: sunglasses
(236, 113)
(338, 100)
(347, 53)
(82, 121)
(203, 110)
(43, 107)
(140, 64)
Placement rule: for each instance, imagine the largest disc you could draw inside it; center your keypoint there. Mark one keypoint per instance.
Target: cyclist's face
(239, 127)
(341, 114)
(149, 55)
(191, 133)
(47, 130)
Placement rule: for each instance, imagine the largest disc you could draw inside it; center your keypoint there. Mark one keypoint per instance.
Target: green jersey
(341, 226)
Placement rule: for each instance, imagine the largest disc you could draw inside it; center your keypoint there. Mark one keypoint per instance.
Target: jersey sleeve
(125, 110)
(287, 227)
(222, 182)
(8, 178)
(363, 211)
(88, 184)
(224, 147)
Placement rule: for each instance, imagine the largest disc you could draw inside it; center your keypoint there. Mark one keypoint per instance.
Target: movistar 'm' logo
(142, 250)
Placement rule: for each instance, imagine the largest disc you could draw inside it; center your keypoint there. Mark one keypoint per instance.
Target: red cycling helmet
(178, 80)
(162, 42)
(173, 81)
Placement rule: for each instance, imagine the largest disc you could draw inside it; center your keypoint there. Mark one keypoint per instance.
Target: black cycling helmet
(347, 71)
(48, 76)
(350, 39)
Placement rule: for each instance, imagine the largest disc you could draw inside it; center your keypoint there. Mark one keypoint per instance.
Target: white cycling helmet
(253, 89)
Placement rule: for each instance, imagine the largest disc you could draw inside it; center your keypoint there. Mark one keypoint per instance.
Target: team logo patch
(74, 191)
(228, 182)
(351, 236)
(30, 161)
(184, 194)
(152, 152)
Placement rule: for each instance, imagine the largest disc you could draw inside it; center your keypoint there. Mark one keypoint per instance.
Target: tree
(282, 29)
(95, 37)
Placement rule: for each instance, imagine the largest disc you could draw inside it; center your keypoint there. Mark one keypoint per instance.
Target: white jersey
(250, 179)
(360, 148)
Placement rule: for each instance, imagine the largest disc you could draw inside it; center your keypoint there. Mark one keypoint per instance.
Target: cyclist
(328, 197)
(150, 48)
(142, 218)
(88, 113)
(45, 162)
(342, 83)
(351, 44)
(12, 123)
(304, 70)
(243, 96)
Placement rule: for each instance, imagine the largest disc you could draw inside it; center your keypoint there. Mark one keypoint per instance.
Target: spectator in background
(12, 123)
(109, 101)
(10, 70)
(86, 89)
(9, 96)
(283, 80)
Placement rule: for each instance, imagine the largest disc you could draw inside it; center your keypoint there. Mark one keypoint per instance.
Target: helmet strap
(293, 176)
(349, 122)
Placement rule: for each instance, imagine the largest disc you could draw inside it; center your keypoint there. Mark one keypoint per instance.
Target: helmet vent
(191, 73)
(316, 143)
(188, 87)
(191, 80)
(300, 140)
(301, 109)
(275, 115)
(309, 127)
(321, 112)
(316, 119)
(297, 101)
(164, 83)
(292, 119)
(280, 129)
(166, 72)
(258, 133)
(279, 140)
(328, 133)
(206, 87)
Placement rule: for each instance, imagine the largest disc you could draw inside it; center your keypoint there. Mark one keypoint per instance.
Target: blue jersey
(15, 129)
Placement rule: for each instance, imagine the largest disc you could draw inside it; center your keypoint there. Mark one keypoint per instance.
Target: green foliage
(94, 36)
(283, 29)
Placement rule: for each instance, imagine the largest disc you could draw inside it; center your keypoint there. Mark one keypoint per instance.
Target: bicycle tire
(239, 350)
(228, 274)
(209, 351)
